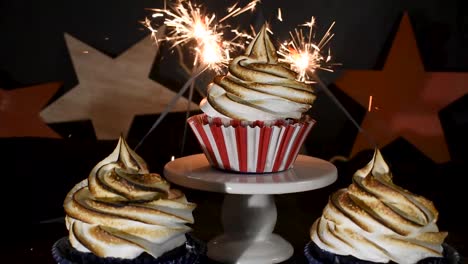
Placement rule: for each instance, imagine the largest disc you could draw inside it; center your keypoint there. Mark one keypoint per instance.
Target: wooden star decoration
(402, 99)
(112, 91)
(19, 111)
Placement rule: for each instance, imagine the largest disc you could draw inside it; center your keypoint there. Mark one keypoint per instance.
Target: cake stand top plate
(195, 172)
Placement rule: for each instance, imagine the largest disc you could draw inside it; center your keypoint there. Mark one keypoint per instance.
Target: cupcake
(122, 213)
(376, 221)
(254, 118)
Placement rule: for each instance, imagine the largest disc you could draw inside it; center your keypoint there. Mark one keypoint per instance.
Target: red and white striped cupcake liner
(253, 147)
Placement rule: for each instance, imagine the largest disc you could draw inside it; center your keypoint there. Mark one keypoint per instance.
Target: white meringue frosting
(123, 210)
(375, 220)
(258, 87)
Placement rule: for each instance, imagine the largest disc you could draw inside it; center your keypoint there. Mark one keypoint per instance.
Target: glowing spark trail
(280, 17)
(147, 24)
(233, 11)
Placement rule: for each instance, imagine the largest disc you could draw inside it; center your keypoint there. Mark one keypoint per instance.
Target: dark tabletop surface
(37, 174)
(293, 224)
(294, 220)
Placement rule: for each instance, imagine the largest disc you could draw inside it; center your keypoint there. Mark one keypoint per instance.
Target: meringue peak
(121, 204)
(258, 87)
(261, 48)
(376, 166)
(375, 220)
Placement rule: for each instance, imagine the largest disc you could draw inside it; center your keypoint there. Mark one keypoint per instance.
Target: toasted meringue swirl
(258, 87)
(375, 220)
(122, 210)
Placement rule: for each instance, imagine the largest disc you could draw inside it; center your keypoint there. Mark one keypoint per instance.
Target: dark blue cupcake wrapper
(192, 252)
(316, 255)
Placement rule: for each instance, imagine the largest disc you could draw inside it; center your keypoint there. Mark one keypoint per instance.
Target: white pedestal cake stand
(249, 210)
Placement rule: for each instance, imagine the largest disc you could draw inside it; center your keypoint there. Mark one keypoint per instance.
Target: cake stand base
(271, 249)
(248, 222)
(249, 212)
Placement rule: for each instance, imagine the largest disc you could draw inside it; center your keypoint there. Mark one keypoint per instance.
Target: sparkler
(306, 57)
(187, 23)
(303, 54)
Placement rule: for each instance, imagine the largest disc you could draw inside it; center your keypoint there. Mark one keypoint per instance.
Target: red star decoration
(403, 100)
(19, 111)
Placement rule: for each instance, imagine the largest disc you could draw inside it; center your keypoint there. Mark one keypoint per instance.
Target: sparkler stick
(187, 113)
(368, 137)
(172, 103)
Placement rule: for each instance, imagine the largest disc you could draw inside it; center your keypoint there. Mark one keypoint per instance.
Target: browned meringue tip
(261, 48)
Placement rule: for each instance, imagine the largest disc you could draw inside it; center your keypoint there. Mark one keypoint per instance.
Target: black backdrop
(32, 51)
(32, 47)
